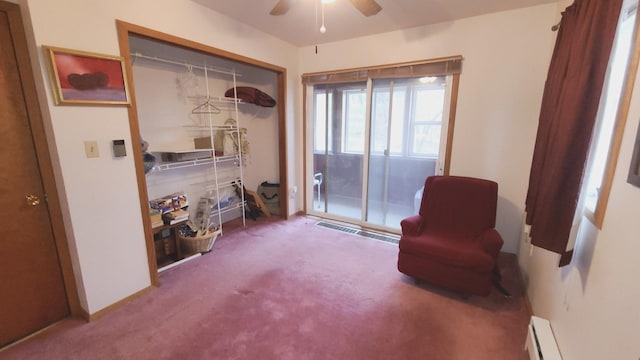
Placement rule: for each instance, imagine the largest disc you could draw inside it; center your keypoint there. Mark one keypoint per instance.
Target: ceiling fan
(366, 7)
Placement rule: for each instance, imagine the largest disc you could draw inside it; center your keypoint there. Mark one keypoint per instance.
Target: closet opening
(184, 93)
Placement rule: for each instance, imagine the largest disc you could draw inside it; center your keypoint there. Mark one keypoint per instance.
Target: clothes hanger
(206, 108)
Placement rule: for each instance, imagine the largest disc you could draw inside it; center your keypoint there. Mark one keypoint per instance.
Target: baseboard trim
(9, 345)
(100, 313)
(84, 315)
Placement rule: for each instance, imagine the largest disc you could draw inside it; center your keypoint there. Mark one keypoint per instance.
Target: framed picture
(84, 78)
(634, 169)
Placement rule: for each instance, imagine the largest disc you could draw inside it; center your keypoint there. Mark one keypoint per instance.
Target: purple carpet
(293, 290)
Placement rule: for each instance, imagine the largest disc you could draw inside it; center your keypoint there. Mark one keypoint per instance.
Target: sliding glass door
(404, 146)
(371, 145)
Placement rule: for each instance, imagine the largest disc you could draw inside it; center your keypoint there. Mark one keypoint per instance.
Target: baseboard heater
(541, 344)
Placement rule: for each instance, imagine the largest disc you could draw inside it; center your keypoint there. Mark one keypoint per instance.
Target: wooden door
(33, 293)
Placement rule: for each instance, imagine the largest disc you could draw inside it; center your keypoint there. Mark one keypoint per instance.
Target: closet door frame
(127, 29)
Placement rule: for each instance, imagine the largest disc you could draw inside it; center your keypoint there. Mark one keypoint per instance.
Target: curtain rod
(185, 64)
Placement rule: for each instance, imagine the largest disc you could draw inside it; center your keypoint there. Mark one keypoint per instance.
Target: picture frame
(85, 78)
(634, 168)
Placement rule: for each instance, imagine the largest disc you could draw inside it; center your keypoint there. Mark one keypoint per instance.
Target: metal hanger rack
(209, 109)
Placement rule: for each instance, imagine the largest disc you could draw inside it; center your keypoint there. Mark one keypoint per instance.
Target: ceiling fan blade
(367, 7)
(282, 7)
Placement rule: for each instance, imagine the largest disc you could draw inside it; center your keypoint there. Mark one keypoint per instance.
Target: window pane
(429, 104)
(321, 138)
(397, 121)
(379, 121)
(427, 120)
(355, 112)
(426, 140)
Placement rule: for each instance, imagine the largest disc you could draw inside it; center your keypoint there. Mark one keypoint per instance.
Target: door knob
(32, 200)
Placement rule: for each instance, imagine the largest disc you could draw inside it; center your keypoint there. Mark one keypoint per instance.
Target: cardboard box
(205, 143)
(186, 155)
(202, 142)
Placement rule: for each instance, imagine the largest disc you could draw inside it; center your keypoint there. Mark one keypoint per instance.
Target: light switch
(91, 149)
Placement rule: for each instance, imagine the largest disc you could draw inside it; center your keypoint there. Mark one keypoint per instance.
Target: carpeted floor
(293, 290)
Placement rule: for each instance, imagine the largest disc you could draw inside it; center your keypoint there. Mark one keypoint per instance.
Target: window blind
(441, 66)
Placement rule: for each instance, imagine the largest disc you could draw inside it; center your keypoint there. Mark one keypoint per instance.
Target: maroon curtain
(569, 107)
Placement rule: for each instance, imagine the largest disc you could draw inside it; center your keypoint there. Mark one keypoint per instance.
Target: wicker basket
(198, 244)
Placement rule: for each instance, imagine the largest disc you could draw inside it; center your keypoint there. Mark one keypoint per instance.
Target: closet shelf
(207, 104)
(219, 99)
(138, 54)
(226, 209)
(185, 164)
(207, 186)
(214, 127)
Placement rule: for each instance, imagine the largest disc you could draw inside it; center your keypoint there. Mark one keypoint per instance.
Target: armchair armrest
(411, 225)
(491, 241)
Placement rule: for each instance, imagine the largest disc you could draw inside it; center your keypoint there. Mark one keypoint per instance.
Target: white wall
(505, 63)
(99, 196)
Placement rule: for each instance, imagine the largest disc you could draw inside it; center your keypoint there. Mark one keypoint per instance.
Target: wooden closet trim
(126, 29)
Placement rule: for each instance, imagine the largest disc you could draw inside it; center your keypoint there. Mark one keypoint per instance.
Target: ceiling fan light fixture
(366, 7)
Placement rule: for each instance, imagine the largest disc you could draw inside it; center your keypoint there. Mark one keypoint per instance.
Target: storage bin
(270, 195)
(197, 244)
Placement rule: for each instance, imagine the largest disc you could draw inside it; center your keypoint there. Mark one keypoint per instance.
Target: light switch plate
(91, 149)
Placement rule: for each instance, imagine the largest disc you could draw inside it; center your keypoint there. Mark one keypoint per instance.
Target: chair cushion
(461, 204)
(454, 249)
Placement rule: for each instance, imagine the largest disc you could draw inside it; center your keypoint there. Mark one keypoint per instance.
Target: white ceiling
(300, 26)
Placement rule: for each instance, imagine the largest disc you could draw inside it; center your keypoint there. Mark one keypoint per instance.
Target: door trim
(32, 105)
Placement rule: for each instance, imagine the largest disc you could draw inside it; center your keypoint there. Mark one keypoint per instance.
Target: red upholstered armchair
(452, 243)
